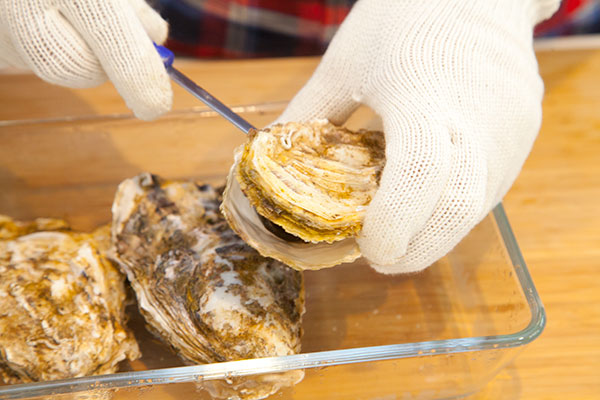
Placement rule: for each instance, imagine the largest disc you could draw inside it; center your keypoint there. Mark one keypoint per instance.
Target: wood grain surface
(554, 209)
(554, 206)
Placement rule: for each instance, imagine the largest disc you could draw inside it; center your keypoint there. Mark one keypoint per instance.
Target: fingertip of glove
(380, 249)
(153, 107)
(158, 30)
(390, 256)
(154, 25)
(151, 100)
(397, 268)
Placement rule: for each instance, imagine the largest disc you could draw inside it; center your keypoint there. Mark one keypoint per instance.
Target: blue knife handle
(165, 54)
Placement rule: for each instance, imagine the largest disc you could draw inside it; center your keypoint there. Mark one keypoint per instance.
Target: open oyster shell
(61, 304)
(314, 181)
(199, 286)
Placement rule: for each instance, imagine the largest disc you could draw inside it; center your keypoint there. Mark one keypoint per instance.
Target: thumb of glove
(418, 163)
(327, 94)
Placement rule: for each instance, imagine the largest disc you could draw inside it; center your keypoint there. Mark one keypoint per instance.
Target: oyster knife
(167, 57)
(211, 101)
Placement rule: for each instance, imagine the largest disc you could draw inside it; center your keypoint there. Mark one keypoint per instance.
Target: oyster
(61, 305)
(199, 286)
(312, 180)
(10, 228)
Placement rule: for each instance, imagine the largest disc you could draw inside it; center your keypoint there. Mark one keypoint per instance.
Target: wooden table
(554, 206)
(554, 209)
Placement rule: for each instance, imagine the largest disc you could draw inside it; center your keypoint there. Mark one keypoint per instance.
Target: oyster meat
(61, 305)
(314, 181)
(199, 286)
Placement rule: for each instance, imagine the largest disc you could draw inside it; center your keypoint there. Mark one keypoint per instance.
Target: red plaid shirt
(252, 28)
(276, 28)
(574, 17)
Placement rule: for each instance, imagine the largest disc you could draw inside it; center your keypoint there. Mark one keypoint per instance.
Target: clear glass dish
(440, 334)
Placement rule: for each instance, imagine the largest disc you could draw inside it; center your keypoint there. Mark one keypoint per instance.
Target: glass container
(439, 334)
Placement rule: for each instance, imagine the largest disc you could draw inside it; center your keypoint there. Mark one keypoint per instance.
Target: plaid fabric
(280, 28)
(574, 17)
(251, 28)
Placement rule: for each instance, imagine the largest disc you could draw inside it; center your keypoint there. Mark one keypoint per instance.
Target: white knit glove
(457, 87)
(79, 43)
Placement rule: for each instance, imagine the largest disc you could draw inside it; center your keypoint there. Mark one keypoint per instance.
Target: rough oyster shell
(10, 229)
(199, 286)
(314, 180)
(61, 305)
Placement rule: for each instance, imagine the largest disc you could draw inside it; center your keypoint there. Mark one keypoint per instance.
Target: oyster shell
(61, 305)
(199, 286)
(313, 180)
(10, 228)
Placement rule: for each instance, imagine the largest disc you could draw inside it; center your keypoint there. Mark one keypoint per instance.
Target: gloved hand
(457, 87)
(80, 43)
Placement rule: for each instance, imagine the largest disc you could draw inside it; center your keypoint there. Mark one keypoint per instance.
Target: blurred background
(275, 28)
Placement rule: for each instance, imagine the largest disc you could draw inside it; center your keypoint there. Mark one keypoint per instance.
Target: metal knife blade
(198, 92)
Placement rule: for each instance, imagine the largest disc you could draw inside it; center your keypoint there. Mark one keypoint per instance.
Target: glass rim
(196, 111)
